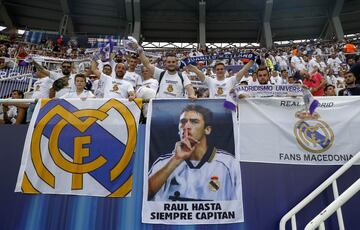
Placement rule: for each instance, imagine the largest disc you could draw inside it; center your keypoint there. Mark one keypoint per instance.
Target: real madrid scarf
(241, 55)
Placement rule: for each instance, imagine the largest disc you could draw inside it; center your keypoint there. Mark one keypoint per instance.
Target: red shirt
(313, 82)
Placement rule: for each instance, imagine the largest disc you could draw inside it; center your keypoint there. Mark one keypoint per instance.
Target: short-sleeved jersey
(114, 87)
(219, 89)
(151, 83)
(171, 85)
(215, 177)
(133, 78)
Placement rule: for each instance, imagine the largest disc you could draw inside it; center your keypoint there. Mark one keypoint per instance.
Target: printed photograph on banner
(64, 151)
(191, 174)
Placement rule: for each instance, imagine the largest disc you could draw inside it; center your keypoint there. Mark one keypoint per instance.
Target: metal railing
(335, 206)
(21, 82)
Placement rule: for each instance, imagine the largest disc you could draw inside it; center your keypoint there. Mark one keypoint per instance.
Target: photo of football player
(196, 170)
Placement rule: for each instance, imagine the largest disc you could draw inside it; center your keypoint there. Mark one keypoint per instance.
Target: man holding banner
(220, 86)
(196, 170)
(172, 84)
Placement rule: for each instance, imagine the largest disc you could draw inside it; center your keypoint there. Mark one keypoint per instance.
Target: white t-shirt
(298, 62)
(220, 89)
(334, 64)
(111, 63)
(171, 85)
(67, 89)
(276, 80)
(151, 83)
(133, 78)
(42, 88)
(114, 87)
(84, 94)
(313, 64)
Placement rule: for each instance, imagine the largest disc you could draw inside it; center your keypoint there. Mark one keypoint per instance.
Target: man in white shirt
(263, 76)
(171, 83)
(314, 65)
(219, 87)
(115, 87)
(149, 81)
(297, 62)
(334, 63)
(131, 76)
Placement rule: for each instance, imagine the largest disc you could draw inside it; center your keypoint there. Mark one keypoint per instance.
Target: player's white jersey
(220, 89)
(215, 177)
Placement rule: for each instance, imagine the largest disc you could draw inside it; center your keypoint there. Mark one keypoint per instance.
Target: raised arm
(94, 69)
(41, 69)
(144, 59)
(246, 68)
(198, 72)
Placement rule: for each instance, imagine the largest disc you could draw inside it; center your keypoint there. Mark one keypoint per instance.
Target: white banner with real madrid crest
(277, 130)
(80, 147)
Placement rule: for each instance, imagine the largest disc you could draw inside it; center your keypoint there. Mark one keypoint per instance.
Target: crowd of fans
(327, 69)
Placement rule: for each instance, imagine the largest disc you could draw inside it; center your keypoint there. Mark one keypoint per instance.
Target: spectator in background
(269, 62)
(331, 78)
(284, 76)
(15, 113)
(349, 48)
(297, 62)
(315, 82)
(334, 63)
(329, 90)
(291, 80)
(351, 87)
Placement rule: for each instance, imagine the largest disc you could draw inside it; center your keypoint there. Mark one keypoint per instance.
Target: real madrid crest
(115, 87)
(313, 134)
(214, 184)
(220, 91)
(170, 88)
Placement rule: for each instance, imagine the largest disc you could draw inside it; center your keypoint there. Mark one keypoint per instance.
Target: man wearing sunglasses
(63, 82)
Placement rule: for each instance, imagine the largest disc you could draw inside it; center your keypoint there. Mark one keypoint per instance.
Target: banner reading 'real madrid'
(191, 174)
(277, 130)
(80, 147)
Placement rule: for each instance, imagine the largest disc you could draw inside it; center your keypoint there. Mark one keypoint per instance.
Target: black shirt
(350, 91)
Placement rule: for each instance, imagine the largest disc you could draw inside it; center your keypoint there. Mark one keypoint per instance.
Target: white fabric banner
(80, 147)
(274, 130)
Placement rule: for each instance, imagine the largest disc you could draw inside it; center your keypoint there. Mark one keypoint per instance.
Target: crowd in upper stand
(327, 69)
